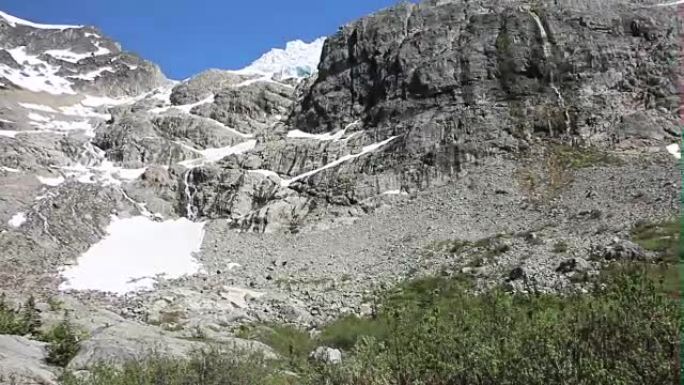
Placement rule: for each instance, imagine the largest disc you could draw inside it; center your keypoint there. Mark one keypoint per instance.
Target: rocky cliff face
(422, 122)
(461, 80)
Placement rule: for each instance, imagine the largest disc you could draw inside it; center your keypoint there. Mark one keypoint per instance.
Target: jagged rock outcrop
(134, 142)
(204, 85)
(250, 109)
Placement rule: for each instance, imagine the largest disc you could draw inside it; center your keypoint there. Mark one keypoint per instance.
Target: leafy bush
(347, 331)
(625, 333)
(24, 321)
(661, 238)
(288, 341)
(63, 343)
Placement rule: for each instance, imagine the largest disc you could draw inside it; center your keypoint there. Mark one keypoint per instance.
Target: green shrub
(288, 341)
(661, 238)
(63, 343)
(347, 331)
(24, 321)
(625, 333)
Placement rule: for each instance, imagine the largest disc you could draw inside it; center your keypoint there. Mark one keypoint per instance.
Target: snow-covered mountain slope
(14, 21)
(298, 60)
(80, 116)
(68, 60)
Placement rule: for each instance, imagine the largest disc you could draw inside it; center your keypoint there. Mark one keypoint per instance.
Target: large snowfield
(136, 251)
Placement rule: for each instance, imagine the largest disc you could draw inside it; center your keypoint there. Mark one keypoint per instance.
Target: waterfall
(545, 36)
(189, 207)
(561, 101)
(546, 47)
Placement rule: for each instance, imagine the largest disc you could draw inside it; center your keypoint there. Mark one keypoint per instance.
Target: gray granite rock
(22, 362)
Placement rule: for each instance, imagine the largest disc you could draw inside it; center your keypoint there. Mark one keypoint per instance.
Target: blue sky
(188, 36)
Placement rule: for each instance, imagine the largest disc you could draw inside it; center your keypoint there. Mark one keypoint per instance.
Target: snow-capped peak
(297, 60)
(14, 21)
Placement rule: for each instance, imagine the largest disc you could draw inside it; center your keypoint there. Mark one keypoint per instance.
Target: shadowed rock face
(459, 78)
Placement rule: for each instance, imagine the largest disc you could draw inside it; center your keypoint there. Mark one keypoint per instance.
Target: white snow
(61, 127)
(99, 101)
(13, 134)
(674, 150)
(267, 173)
(184, 107)
(238, 296)
(129, 173)
(669, 4)
(21, 57)
(9, 169)
(74, 57)
(93, 74)
(297, 134)
(37, 117)
(35, 75)
(367, 149)
(83, 111)
(52, 182)
(394, 192)
(14, 21)
(334, 136)
(260, 78)
(17, 220)
(134, 253)
(212, 155)
(9, 133)
(297, 60)
(37, 107)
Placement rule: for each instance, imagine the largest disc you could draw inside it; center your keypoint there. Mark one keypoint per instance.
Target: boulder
(573, 265)
(132, 341)
(620, 250)
(326, 355)
(22, 361)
